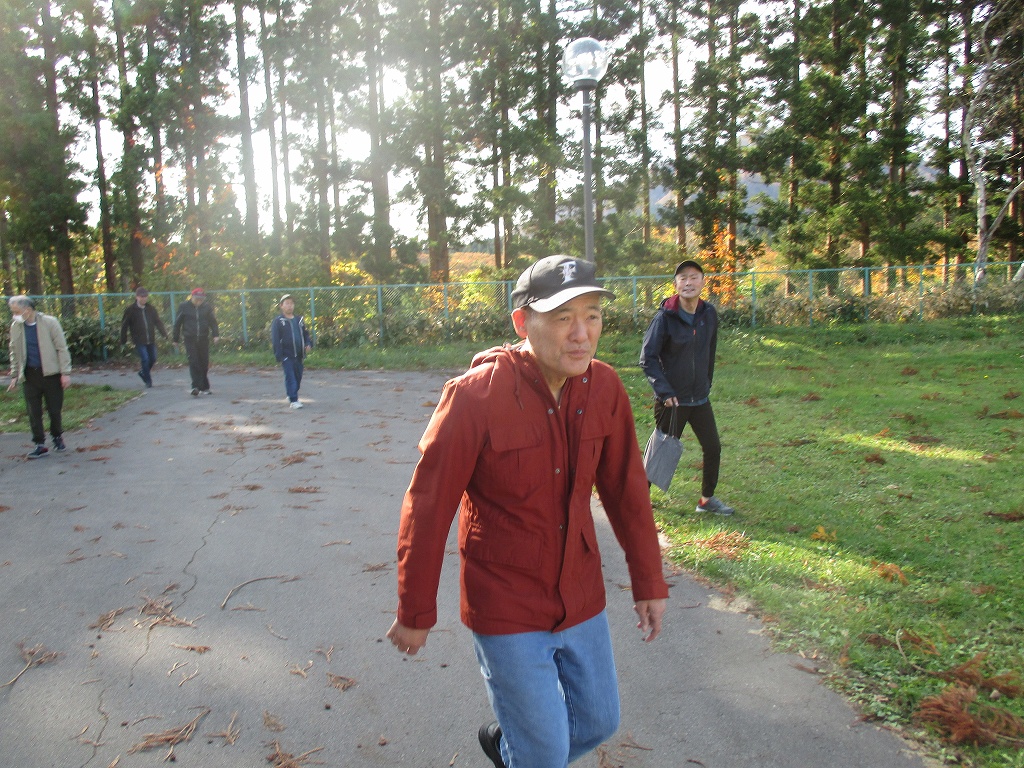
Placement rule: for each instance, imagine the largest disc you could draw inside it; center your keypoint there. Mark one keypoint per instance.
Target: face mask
(19, 319)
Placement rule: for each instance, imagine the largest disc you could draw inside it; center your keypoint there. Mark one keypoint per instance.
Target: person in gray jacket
(142, 321)
(40, 361)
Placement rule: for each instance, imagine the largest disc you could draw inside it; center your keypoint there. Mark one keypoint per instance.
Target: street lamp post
(584, 63)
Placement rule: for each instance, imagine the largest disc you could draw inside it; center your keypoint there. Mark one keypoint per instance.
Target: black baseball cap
(552, 281)
(689, 263)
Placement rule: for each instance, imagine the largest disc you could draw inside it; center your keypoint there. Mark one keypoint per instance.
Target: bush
(87, 339)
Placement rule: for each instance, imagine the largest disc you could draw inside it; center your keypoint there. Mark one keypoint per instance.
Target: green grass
(905, 443)
(81, 403)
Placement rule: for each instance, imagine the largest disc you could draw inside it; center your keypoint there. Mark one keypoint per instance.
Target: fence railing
(390, 314)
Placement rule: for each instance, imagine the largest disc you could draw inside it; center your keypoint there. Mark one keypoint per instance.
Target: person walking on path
(142, 321)
(678, 358)
(194, 325)
(291, 341)
(41, 362)
(519, 441)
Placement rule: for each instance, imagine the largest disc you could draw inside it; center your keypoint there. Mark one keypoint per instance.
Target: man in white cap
(520, 441)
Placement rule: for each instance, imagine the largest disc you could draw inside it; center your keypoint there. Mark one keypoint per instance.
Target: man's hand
(216, 339)
(672, 402)
(406, 639)
(650, 613)
(13, 384)
(65, 381)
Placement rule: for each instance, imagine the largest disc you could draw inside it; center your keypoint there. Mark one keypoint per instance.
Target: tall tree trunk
(5, 256)
(645, 146)
(435, 189)
(161, 230)
(286, 168)
(109, 261)
(322, 182)
(678, 183)
(33, 271)
(546, 57)
(251, 224)
(130, 170)
(268, 107)
(381, 231)
(62, 251)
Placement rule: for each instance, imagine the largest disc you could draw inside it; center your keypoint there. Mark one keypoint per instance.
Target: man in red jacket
(519, 442)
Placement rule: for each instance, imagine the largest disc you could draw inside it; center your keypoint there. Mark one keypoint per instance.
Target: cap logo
(568, 271)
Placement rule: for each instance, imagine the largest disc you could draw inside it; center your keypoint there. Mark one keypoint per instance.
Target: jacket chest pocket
(516, 459)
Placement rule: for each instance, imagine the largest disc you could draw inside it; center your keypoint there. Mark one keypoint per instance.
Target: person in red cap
(194, 325)
(519, 442)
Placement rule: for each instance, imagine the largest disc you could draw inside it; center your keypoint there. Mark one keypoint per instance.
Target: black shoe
(58, 444)
(490, 741)
(39, 452)
(195, 392)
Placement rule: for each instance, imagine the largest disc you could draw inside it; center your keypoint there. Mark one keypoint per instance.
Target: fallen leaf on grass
(340, 682)
(1011, 395)
(810, 397)
(1008, 517)
(931, 396)
(752, 401)
(970, 673)
(889, 572)
(820, 534)
(908, 371)
(874, 458)
(924, 439)
(1010, 414)
(958, 716)
(281, 759)
(727, 544)
(925, 646)
(169, 738)
(878, 641)
(989, 457)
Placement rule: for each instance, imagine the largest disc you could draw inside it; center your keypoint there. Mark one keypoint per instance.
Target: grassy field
(81, 403)
(876, 471)
(877, 475)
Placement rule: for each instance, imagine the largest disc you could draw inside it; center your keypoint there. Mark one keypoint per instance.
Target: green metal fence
(393, 314)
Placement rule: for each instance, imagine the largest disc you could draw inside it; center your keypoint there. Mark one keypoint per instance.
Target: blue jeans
(292, 377)
(147, 357)
(555, 694)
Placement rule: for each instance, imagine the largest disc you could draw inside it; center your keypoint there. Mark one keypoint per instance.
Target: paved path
(135, 556)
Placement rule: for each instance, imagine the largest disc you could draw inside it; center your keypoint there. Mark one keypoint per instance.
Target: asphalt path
(214, 577)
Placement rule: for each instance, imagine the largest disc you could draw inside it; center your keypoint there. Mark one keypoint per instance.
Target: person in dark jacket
(291, 341)
(142, 321)
(194, 325)
(678, 358)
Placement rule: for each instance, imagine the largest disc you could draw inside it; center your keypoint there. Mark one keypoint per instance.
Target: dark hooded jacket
(195, 322)
(523, 469)
(678, 357)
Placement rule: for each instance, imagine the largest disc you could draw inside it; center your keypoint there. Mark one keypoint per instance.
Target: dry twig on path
(283, 578)
(281, 759)
(170, 738)
(35, 656)
(229, 734)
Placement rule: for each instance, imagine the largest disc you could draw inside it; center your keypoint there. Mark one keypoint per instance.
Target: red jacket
(524, 471)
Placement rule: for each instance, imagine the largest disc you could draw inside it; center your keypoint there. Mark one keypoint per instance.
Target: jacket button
(585, 379)
(558, 471)
(550, 411)
(579, 411)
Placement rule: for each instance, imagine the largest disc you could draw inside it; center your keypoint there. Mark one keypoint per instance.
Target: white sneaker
(296, 405)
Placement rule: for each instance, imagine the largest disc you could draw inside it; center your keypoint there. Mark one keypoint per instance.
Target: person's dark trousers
(198, 351)
(701, 419)
(38, 388)
(147, 358)
(292, 377)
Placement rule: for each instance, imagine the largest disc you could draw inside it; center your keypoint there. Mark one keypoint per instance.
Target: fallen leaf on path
(169, 738)
(229, 734)
(271, 723)
(281, 759)
(200, 649)
(340, 682)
